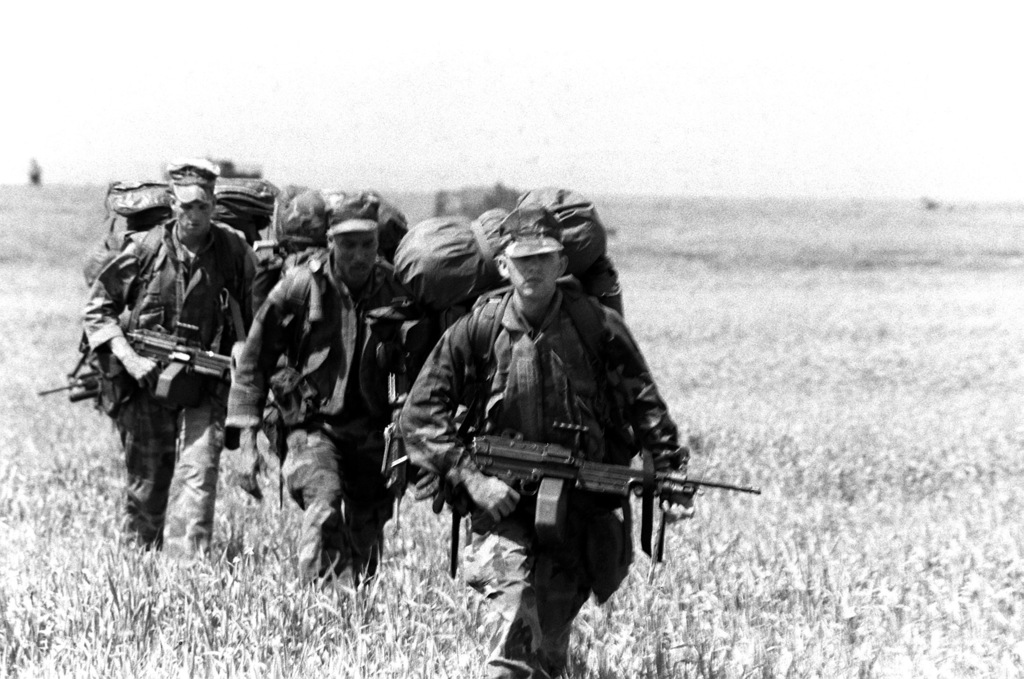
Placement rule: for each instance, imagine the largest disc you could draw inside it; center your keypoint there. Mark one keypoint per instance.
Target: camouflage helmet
(303, 219)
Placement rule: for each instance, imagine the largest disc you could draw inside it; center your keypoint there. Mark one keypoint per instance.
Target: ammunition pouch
(296, 399)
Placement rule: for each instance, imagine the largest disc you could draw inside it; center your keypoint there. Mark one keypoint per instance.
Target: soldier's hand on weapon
(494, 498)
(428, 485)
(670, 460)
(678, 507)
(143, 370)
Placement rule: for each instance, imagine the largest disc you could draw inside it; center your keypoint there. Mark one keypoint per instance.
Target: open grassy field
(861, 361)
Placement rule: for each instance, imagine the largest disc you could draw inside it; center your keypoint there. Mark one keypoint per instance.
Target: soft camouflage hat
(303, 219)
(193, 180)
(529, 232)
(354, 214)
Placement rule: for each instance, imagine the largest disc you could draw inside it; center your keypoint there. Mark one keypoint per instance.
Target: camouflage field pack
(245, 204)
(131, 198)
(575, 218)
(445, 261)
(448, 261)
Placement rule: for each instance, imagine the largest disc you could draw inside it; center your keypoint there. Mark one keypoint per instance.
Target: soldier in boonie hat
(193, 180)
(355, 214)
(529, 232)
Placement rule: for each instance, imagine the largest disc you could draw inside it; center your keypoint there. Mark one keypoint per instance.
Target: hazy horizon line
(938, 202)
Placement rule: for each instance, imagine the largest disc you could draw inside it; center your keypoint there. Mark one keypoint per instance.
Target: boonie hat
(529, 232)
(355, 214)
(193, 180)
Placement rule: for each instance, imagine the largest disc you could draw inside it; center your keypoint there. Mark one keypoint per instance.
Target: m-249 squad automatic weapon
(183, 366)
(550, 471)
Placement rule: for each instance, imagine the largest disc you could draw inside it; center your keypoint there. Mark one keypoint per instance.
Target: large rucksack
(447, 261)
(131, 207)
(450, 261)
(585, 239)
(246, 205)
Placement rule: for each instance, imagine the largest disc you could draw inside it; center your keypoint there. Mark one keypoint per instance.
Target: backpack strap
(151, 253)
(483, 333)
(489, 312)
(588, 319)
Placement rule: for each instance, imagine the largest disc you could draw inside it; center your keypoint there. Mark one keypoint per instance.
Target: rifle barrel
(722, 485)
(47, 392)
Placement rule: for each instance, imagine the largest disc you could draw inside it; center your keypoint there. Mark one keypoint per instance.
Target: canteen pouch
(295, 398)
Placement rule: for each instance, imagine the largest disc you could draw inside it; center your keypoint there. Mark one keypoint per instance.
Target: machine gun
(549, 471)
(184, 366)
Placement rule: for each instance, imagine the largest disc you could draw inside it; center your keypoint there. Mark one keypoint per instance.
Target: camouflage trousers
(172, 458)
(339, 486)
(535, 591)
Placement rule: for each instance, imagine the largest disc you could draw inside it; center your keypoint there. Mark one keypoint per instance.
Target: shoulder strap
(492, 311)
(588, 319)
(304, 290)
(228, 254)
(483, 333)
(151, 254)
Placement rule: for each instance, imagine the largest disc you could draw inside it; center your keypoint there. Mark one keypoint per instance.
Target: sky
(744, 99)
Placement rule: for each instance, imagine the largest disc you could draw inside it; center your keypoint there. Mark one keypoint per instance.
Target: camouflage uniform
(172, 453)
(336, 408)
(536, 590)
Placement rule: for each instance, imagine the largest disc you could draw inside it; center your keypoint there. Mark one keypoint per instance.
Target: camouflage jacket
(311, 320)
(161, 290)
(457, 367)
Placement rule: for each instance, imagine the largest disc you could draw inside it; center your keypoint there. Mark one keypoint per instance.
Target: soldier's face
(354, 255)
(534, 277)
(193, 218)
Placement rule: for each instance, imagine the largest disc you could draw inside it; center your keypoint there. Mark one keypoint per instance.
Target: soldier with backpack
(332, 391)
(546, 363)
(187, 280)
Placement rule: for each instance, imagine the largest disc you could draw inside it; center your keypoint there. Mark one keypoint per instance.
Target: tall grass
(876, 398)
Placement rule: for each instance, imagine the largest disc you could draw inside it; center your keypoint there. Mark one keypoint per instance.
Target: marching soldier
(189, 278)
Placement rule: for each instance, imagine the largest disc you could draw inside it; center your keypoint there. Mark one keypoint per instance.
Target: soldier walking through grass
(332, 393)
(518, 362)
(189, 278)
